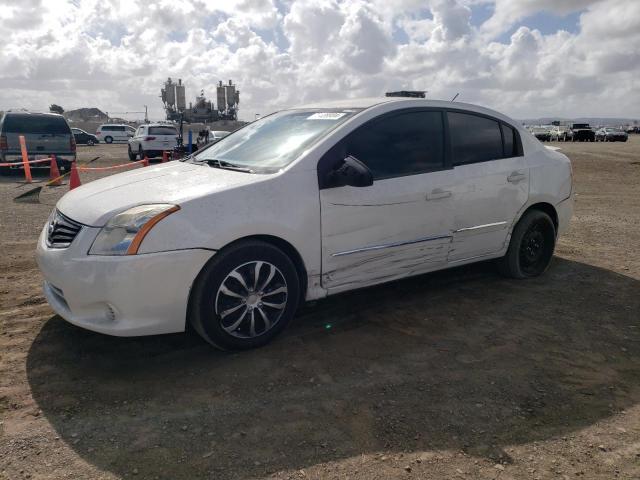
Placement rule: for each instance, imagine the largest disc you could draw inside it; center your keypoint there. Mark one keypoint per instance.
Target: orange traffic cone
(54, 173)
(165, 156)
(146, 161)
(74, 180)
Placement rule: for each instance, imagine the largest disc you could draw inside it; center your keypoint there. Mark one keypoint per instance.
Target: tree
(56, 109)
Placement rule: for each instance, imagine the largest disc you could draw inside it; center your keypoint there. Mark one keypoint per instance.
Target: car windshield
(273, 142)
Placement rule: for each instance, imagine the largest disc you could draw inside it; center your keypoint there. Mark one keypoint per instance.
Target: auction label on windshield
(326, 116)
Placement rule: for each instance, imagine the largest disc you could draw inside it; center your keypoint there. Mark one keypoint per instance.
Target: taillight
(3, 143)
(72, 143)
(147, 139)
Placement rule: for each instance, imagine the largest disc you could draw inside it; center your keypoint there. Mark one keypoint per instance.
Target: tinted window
(35, 124)
(474, 138)
(162, 131)
(112, 128)
(402, 144)
(509, 136)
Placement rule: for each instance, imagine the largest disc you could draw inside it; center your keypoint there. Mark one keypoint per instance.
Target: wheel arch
(545, 207)
(287, 248)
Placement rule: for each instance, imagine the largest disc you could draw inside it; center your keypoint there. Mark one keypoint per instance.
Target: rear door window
(474, 138)
(35, 124)
(403, 144)
(162, 131)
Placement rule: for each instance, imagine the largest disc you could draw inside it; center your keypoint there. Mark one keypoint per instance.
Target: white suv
(151, 140)
(110, 133)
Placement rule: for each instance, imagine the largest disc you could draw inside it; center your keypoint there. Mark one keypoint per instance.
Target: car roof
(32, 114)
(158, 125)
(114, 125)
(400, 102)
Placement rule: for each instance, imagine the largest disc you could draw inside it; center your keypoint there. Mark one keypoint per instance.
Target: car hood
(175, 182)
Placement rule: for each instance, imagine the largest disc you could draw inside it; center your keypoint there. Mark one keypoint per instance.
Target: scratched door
(399, 226)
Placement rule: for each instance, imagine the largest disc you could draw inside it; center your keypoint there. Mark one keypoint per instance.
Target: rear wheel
(531, 248)
(132, 156)
(245, 296)
(108, 139)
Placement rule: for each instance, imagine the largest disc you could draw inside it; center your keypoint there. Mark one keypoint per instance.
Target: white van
(109, 133)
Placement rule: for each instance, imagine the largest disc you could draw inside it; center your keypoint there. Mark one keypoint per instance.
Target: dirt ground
(458, 374)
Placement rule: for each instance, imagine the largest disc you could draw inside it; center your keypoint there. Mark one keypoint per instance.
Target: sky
(526, 58)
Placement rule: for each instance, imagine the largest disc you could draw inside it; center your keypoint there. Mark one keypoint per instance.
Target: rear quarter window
(35, 124)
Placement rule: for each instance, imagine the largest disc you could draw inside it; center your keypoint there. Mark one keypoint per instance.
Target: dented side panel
(389, 230)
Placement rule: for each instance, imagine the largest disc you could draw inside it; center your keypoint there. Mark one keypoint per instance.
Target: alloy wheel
(251, 299)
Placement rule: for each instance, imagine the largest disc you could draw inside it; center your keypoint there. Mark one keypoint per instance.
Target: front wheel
(531, 248)
(245, 296)
(90, 142)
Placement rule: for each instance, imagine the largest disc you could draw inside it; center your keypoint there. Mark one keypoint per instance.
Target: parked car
(110, 133)
(560, 133)
(84, 138)
(151, 140)
(298, 205)
(541, 133)
(45, 134)
(582, 132)
(610, 134)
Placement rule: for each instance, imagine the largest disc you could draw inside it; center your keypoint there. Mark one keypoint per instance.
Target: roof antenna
(456, 96)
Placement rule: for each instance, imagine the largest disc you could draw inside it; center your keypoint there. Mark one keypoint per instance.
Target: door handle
(438, 193)
(516, 177)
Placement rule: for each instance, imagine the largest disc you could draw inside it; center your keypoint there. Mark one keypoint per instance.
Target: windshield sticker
(326, 116)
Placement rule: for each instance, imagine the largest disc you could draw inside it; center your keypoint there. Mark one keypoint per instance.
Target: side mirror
(350, 172)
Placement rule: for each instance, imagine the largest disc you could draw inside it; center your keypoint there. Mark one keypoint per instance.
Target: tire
(531, 247)
(5, 171)
(277, 278)
(108, 139)
(90, 142)
(132, 156)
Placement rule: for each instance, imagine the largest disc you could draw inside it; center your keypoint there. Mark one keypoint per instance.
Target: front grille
(61, 231)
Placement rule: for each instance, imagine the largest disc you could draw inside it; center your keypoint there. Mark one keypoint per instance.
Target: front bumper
(131, 295)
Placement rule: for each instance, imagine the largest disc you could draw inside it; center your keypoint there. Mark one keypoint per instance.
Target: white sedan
(304, 203)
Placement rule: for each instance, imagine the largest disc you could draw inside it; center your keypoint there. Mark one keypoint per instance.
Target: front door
(400, 225)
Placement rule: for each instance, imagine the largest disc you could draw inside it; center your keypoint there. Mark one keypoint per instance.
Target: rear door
(399, 226)
(161, 137)
(491, 183)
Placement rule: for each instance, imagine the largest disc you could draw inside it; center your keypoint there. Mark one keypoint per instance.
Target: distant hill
(86, 115)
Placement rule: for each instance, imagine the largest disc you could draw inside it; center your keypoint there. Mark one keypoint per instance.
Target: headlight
(123, 234)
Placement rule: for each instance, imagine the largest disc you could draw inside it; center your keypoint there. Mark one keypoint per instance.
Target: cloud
(115, 55)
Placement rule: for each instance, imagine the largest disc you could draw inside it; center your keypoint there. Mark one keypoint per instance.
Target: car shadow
(461, 359)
